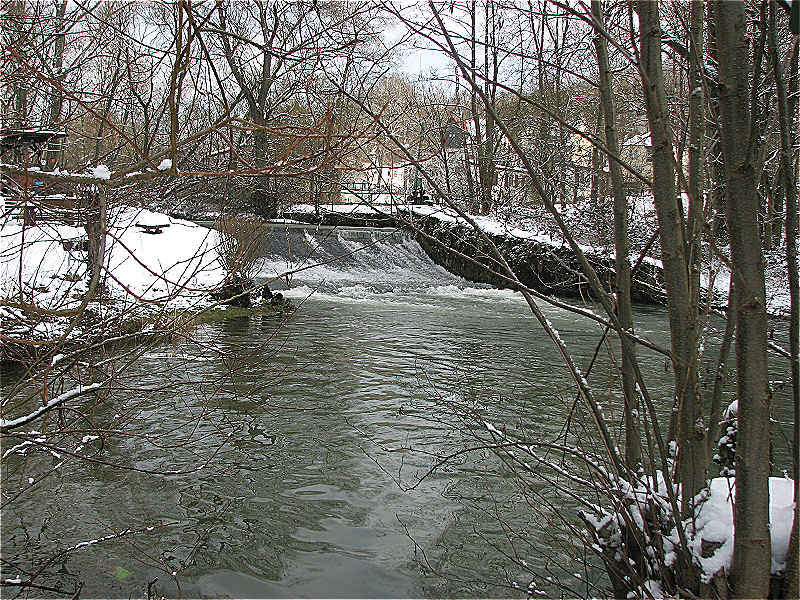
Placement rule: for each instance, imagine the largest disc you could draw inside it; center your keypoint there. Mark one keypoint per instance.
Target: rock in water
(233, 293)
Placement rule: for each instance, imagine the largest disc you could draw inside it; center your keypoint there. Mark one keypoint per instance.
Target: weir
(332, 259)
(541, 265)
(371, 254)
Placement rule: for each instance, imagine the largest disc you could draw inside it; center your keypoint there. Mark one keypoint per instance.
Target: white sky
(417, 60)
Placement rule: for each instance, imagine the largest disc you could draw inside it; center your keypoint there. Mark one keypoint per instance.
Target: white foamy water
(370, 266)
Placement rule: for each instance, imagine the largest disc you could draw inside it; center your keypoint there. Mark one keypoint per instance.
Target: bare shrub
(240, 246)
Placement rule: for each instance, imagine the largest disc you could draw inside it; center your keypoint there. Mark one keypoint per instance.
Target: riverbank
(159, 275)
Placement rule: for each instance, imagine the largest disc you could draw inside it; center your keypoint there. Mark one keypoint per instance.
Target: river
(317, 435)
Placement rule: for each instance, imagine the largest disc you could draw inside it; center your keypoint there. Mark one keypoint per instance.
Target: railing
(48, 209)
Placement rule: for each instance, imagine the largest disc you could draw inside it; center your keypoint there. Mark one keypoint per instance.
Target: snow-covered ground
(375, 208)
(145, 271)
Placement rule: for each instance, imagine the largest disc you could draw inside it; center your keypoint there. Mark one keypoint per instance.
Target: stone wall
(541, 266)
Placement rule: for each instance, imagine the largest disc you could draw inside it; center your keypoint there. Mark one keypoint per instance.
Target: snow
(487, 224)
(101, 172)
(731, 411)
(165, 165)
(641, 139)
(347, 209)
(19, 448)
(715, 524)
(777, 286)
(778, 300)
(711, 530)
(499, 227)
(7, 425)
(654, 588)
(180, 265)
(286, 222)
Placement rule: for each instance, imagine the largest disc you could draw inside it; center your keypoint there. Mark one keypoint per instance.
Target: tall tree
(787, 115)
(682, 308)
(739, 144)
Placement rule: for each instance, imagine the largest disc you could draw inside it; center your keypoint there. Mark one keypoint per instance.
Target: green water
(304, 449)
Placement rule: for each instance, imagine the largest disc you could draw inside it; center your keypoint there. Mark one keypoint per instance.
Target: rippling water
(319, 434)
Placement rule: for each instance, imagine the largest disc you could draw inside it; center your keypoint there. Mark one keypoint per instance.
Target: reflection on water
(316, 438)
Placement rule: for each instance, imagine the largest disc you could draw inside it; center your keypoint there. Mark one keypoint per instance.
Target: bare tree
(143, 96)
(680, 233)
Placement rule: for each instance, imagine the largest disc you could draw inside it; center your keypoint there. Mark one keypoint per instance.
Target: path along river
(306, 426)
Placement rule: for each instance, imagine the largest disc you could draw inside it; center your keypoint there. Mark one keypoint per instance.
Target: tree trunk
(14, 19)
(482, 201)
(697, 133)
(633, 436)
(96, 234)
(262, 199)
(769, 209)
(596, 176)
(716, 168)
(786, 120)
(751, 565)
(488, 168)
(680, 304)
(57, 99)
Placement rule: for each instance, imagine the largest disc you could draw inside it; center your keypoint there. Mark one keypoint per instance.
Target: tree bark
(596, 175)
(680, 304)
(15, 19)
(751, 566)
(697, 132)
(786, 121)
(57, 100)
(96, 236)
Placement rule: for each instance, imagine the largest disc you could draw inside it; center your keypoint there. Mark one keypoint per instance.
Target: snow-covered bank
(709, 536)
(715, 275)
(344, 215)
(43, 270)
(539, 260)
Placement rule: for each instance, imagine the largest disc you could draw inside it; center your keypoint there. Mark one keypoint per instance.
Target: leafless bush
(240, 246)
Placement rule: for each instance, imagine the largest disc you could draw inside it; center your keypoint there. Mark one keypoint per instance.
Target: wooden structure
(27, 196)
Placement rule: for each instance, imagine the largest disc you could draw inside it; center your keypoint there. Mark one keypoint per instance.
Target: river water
(317, 435)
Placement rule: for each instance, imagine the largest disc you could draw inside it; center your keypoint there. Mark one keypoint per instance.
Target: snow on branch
(114, 536)
(6, 426)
